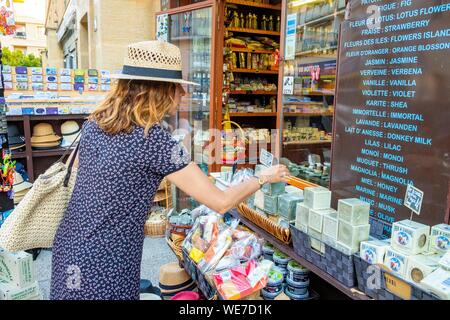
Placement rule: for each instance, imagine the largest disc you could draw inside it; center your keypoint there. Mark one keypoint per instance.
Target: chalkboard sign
(392, 118)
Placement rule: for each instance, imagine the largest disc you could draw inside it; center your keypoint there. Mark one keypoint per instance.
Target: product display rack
(352, 293)
(37, 161)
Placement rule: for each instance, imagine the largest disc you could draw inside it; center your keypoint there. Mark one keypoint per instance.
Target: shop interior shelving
(37, 161)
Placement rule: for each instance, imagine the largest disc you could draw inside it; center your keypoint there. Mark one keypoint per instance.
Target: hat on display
(173, 279)
(153, 60)
(186, 295)
(44, 136)
(149, 296)
(70, 132)
(20, 184)
(15, 139)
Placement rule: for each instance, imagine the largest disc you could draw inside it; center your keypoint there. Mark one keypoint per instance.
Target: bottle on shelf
(242, 23)
(278, 26)
(255, 21)
(264, 22)
(270, 27)
(248, 21)
(235, 20)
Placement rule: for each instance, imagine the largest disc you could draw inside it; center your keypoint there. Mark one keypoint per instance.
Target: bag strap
(70, 166)
(69, 149)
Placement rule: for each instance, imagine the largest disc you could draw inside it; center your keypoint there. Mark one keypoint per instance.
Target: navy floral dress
(97, 251)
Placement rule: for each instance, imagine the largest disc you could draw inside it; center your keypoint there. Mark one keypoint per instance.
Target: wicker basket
(283, 234)
(175, 241)
(155, 228)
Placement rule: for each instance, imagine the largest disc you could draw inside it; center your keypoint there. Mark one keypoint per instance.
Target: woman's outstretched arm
(196, 184)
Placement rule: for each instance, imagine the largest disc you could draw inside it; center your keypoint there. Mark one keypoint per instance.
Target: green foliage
(17, 58)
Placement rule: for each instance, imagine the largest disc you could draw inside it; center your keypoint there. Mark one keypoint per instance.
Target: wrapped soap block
(287, 205)
(373, 251)
(271, 204)
(259, 200)
(440, 238)
(438, 283)
(421, 266)
(444, 262)
(273, 189)
(354, 211)
(318, 245)
(410, 237)
(302, 217)
(294, 190)
(315, 220)
(317, 197)
(345, 249)
(396, 262)
(251, 201)
(330, 225)
(314, 234)
(351, 235)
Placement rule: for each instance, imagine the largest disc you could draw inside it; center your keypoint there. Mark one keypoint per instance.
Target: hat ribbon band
(71, 133)
(175, 287)
(44, 135)
(152, 72)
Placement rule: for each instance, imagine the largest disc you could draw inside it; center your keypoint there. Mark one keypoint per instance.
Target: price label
(288, 85)
(266, 158)
(413, 199)
(398, 287)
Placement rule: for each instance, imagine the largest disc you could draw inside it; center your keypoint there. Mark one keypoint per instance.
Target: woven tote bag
(34, 222)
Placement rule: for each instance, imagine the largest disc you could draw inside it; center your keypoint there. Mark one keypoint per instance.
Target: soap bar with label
(420, 267)
(8, 292)
(317, 197)
(373, 251)
(440, 238)
(410, 237)
(316, 218)
(444, 262)
(330, 226)
(274, 189)
(16, 269)
(271, 204)
(396, 262)
(354, 211)
(287, 205)
(438, 282)
(351, 235)
(259, 200)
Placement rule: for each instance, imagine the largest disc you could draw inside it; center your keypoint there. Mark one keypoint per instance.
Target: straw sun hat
(70, 131)
(153, 60)
(44, 136)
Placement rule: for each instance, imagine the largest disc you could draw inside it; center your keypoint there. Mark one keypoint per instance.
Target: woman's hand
(278, 173)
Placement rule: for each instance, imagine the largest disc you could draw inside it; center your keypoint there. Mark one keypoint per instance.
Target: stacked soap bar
(287, 205)
(440, 238)
(410, 237)
(353, 225)
(316, 222)
(302, 217)
(270, 204)
(373, 251)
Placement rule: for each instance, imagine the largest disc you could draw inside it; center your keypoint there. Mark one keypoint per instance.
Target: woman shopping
(124, 154)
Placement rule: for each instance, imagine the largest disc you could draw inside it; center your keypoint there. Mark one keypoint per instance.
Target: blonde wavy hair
(134, 103)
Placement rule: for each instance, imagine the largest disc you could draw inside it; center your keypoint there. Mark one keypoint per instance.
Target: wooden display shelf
(253, 114)
(48, 117)
(352, 293)
(256, 92)
(18, 155)
(306, 142)
(255, 5)
(321, 19)
(239, 70)
(250, 50)
(305, 114)
(254, 31)
(304, 53)
(49, 152)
